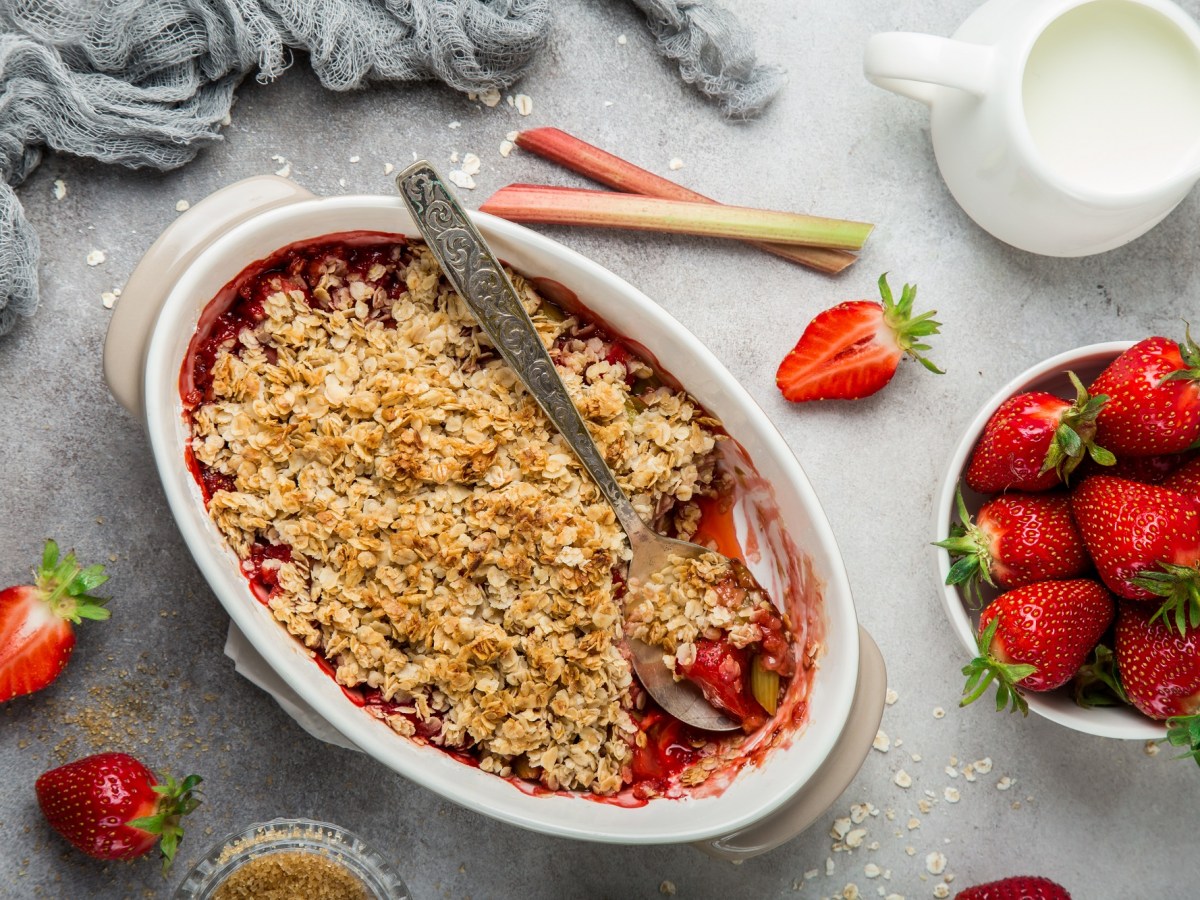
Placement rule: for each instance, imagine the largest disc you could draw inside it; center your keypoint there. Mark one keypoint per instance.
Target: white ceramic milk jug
(1064, 127)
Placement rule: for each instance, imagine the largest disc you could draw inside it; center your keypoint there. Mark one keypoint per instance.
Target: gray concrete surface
(1103, 817)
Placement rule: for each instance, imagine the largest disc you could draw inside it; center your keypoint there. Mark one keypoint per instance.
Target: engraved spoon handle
(472, 269)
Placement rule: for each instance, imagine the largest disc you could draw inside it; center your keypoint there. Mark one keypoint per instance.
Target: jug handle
(915, 65)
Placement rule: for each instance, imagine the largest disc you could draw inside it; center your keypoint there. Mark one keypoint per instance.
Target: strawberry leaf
(1180, 586)
(1184, 731)
(974, 560)
(176, 800)
(1098, 683)
(905, 326)
(1075, 436)
(985, 669)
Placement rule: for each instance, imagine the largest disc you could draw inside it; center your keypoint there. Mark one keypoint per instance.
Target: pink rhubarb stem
(605, 209)
(601, 166)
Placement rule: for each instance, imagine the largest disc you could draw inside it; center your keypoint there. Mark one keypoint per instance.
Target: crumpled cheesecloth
(146, 83)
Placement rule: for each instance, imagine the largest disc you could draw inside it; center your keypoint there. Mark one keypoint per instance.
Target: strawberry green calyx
(1076, 435)
(176, 800)
(1180, 586)
(908, 329)
(1184, 731)
(66, 586)
(974, 560)
(986, 668)
(1098, 682)
(1189, 352)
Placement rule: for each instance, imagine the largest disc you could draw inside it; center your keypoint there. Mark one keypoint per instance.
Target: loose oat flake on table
(403, 507)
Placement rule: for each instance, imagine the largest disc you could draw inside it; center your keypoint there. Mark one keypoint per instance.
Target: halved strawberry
(1144, 540)
(111, 806)
(1035, 440)
(36, 637)
(1017, 539)
(1036, 637)
(851, 350)
(1154, 398)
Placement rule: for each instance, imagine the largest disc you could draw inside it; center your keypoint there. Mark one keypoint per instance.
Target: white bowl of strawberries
(1068, 532)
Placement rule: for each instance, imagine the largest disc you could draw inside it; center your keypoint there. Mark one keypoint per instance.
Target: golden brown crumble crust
(448, 549)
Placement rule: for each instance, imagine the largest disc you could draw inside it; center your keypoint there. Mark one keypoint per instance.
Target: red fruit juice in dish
(404, 509)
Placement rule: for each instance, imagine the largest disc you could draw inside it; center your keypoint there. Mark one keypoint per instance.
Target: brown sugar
(288, 874)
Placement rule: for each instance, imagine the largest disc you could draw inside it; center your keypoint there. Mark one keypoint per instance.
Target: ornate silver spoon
(474, 272)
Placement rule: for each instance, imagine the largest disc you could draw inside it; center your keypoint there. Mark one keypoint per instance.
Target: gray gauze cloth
(146, 83)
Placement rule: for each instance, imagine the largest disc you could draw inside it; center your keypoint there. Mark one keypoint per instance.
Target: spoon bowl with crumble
(706, 641)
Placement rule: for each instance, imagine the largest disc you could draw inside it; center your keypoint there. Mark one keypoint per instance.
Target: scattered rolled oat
(285, 170)
(60, 189)
(890, 697)
(490, 97)
(608, 103)
(471, 164)
(903, 779)
(872, 871)
(1004, 783)
(810, 874)
(983, 766)
(355, 159)
(108, 298)
(914, 823)
(850, 892)
(1151, 748)
(96, 257)
(462, 179)
(621, 39)
(894, 897)
(882, 742)
(911, 851)
(939, 713)
(506, 147)
(182, 206)
(454, 157)
(951, 795)
(667, 889)
(924, 806)
(941, 890)
(916, 757)
(935, 862)
(968, 772)
(675, 164)
(226, 120)
(523, 103)
(829, 865)
(859, 812)
(855, 838)
(388, 168)
(951, 771)
(454, 125)
(841, 827)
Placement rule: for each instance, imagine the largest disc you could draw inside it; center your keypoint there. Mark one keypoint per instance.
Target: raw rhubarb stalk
(605, 209)
(601, 166)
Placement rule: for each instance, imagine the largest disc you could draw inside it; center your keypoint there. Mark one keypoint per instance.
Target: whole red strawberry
(1144, 540)
(1186, 479)
(1036, 637)
(1020, 887)
(1160, 668)
(1034, 441)
(1017, 539)
(852, 350)
(1160, 671)
(1154, 398)
(36, 637)
(111, 806)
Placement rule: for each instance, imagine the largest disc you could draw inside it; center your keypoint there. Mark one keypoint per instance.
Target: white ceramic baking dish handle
(154, 276)
(829, 782)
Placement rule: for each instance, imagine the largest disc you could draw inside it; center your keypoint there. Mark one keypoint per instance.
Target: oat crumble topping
(446, 546)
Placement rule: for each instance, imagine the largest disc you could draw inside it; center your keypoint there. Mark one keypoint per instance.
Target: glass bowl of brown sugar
(288, 858)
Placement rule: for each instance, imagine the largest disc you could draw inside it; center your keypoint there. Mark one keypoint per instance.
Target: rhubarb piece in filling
(403, 507)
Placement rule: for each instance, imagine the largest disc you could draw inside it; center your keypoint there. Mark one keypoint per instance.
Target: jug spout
(916, 65)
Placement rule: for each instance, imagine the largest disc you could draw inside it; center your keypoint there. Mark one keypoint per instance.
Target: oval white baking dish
(246, 222)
